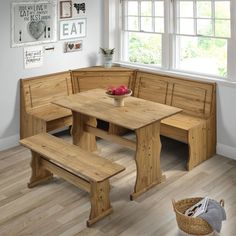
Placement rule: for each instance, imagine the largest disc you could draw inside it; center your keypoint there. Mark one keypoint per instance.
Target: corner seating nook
(51, 155)
(195, 126)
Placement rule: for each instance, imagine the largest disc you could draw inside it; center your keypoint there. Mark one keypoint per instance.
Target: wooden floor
(59, 208)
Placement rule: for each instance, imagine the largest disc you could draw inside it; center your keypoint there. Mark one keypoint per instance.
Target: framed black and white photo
(65, 9)
(33, 22)
(79, 8)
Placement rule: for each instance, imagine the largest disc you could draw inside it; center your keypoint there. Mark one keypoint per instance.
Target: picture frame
(73, 28)
(73, 46)
(33, 22)
(65, 9)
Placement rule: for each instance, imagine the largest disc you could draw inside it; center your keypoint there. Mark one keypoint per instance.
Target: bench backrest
(99, 77)
(194, 97)
(41, 90)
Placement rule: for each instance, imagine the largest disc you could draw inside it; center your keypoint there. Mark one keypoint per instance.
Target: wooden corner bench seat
(51, 155)
(37, 113)
(196, 125)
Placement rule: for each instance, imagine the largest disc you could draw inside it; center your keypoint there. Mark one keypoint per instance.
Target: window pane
(204, 9)
(145, 48)
(146, 24)
(133, 8)
(146, 8)
(186, 26)
(202, 55)
(159, 25)
(159, 8)
(222, 28)
(204, 27)
(132, 23)
(222, 9)
(186, 9)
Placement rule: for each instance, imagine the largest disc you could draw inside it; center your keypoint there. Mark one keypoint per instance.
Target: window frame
(169, 47)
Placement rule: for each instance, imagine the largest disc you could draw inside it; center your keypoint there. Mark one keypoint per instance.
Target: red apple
(120, 91)
(125, 88)
(111, 90)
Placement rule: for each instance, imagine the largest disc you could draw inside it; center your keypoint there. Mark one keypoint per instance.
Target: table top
(135, 114)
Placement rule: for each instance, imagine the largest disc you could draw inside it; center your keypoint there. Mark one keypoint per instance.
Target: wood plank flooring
(59, 208)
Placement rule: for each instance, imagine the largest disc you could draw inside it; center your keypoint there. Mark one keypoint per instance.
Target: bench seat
(50, 112)
(52, 155)
(182, 121)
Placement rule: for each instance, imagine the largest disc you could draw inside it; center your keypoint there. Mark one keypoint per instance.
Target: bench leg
(197, 146)
(32, 125)
(100, 201)
(39, 174)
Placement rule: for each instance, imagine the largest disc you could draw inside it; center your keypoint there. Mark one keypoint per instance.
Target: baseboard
(9, 142)
(226, 151)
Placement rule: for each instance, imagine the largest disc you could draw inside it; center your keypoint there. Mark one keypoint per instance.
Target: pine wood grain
(37, 113)
(72, 157)
(140, 115)
(52, 155)
(134, 115)
(196, 125)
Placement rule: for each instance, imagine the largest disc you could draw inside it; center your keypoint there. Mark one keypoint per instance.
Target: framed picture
(33, 22)
(79, 8)
(71, 29)
(73, 46)
(65, 9)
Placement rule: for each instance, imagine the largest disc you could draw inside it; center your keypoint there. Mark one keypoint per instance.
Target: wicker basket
(191, 225)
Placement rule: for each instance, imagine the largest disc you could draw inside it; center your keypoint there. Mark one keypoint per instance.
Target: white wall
(12, 68)
(226, 120)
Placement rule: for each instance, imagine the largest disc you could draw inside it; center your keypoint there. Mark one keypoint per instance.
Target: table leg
(147, 158)
(82, 138)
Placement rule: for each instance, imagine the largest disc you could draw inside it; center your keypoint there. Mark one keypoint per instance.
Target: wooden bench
(51, 155)
(37, 114)
(196, 125)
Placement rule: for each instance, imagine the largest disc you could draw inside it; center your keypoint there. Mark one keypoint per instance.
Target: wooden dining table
(139, 115)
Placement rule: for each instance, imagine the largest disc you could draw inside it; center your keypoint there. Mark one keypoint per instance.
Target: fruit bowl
(119, 99)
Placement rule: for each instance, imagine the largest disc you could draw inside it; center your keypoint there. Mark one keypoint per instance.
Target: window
(193, 34)
(143, 24)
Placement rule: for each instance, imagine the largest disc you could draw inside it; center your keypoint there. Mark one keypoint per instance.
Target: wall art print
(73, 46)
(75, 28)
(79, 8)
(33, 22)
(65, 9)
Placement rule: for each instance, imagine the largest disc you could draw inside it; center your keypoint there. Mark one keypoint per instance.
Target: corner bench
(196, 125)
(51, 155)
(37, 114)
